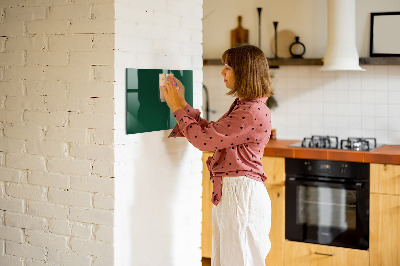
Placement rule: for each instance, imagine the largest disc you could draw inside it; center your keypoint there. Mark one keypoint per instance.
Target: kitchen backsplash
(314, 102)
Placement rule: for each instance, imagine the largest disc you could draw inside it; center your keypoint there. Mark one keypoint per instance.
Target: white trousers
(241, 223)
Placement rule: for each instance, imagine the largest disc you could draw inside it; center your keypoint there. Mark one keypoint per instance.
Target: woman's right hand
(181, 91)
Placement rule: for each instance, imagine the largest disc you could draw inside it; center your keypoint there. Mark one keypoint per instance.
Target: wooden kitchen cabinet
(305, 254)
(206, 225)
(274, 168)
(385, 178)
(277, 233)
(384, 236)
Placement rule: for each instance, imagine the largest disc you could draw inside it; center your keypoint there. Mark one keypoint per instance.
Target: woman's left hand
(171, 95)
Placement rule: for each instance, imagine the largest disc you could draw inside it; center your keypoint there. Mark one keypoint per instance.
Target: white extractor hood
(341, 51)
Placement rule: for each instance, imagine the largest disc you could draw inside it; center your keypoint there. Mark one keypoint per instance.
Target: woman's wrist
(176, 108)
(183, 104)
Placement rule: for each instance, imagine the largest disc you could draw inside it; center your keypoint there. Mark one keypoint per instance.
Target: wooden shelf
(380, 61)
(274, 63)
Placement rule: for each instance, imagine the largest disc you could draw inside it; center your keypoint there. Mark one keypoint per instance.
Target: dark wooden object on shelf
(314, 61)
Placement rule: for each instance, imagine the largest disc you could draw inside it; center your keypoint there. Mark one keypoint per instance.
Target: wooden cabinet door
(384, 236)
(274, 168)
(277, 233)
(206, 226)
(305, 254)
(385, 178)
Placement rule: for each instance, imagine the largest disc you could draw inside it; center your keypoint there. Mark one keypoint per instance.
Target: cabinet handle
(325, 254)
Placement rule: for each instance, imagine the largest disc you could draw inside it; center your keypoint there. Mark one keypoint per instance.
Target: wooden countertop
(389, 154)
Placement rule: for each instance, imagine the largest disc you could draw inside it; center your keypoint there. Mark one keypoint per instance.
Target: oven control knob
(343, 168)
(308, 166)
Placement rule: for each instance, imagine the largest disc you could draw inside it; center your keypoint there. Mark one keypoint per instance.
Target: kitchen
(313, 104)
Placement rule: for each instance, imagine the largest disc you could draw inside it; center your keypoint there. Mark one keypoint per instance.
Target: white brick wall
(156, 177)
(56, 132)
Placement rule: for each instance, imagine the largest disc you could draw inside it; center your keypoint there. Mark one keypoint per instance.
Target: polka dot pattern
(238, 139)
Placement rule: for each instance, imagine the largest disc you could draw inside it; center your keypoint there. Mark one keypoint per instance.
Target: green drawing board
(145, 110)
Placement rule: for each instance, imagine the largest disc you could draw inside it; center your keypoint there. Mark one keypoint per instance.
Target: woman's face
(229, 76)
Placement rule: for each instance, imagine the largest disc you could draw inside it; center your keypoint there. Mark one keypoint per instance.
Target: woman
(242, 209)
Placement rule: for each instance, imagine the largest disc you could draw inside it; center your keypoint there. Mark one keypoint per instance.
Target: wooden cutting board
(239, 35)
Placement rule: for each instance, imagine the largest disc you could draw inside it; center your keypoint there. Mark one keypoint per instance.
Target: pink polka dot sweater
(238, 139)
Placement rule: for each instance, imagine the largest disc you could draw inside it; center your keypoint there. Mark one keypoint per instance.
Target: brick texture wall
(56, 132)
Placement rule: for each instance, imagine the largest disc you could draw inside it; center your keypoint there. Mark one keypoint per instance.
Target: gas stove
(332, 142)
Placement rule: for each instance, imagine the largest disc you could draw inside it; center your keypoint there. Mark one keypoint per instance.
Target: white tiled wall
(311, 102)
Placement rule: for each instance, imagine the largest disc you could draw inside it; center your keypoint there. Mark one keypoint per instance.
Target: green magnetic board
(145, 110)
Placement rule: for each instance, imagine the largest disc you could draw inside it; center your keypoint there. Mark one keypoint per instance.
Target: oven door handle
(357, 185)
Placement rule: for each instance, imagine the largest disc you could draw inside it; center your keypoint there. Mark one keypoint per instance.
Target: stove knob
(308, 166)
(343, 168)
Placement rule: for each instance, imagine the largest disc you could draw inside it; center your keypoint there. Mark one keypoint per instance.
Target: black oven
(327, 202)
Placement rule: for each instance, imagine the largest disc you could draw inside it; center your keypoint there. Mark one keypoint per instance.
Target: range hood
(341, 51)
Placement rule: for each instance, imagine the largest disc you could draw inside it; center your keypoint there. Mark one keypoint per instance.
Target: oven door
(327, 213)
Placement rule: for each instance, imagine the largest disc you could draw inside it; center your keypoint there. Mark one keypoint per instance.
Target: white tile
(355, 109)
(381, 84)
(317, 107)
(367, 122)
(293, 120)
(342, 133)
(317, 131)
(329, 109)
(317, 95)
(381, 71)
(382, 136)
(367, 96)
(394, 110)
(394, 97)
(367, 83)
(355, 132)
(329, 94)
(292, 83)
(278, 83)
(394, 83)
(355, 122)
(381, 123)
(342, 96)
(354, 83)
(367, 133)
(316, 82)
(394, 70)
(328, 74)
(316, 72)
(291, 71)
(367, 110)
(381, 97)
(342, 109)
(304, 72)
(342, 81)
(394, 137)
(303, 82)
(382, 110)
(342, 122)
(279, 72)
(355, 96)
(394, 123)
(329, 122)
(317, 120)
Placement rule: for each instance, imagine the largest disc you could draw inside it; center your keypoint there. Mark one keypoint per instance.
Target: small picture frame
(385, 34)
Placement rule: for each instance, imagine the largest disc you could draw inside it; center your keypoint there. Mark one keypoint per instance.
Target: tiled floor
(206, 261)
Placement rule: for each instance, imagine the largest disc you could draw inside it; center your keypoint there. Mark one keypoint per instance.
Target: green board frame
(145, 112)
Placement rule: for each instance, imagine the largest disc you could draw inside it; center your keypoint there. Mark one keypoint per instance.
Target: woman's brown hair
(250, 66)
